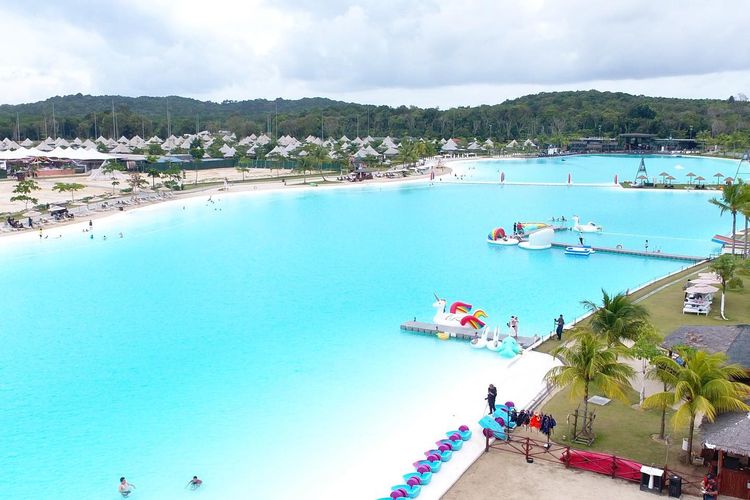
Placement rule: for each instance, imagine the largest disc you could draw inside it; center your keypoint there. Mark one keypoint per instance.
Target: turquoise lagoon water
(255, 341)
(600, 169)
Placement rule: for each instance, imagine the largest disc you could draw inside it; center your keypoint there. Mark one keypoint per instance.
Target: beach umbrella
(700, 179)
(670, 178)
(718, 176)
(704, 281)
(690, 176)
(728, 180)
(702, 289)
(664, 176)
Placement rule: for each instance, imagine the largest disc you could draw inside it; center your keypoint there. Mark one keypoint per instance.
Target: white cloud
(436, 53)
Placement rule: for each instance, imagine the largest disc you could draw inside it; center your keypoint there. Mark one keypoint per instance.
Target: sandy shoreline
(271, 186)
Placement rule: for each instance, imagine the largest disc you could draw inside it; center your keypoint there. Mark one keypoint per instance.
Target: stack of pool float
(494, 425)
(431, 465)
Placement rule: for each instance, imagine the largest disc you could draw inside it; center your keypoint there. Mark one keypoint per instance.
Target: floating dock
(637, 253)
(458, 332)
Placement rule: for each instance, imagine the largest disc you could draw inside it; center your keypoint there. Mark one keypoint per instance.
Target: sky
(423, 53)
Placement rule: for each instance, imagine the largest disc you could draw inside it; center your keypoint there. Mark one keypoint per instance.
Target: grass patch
(665, 308)
(620, 429)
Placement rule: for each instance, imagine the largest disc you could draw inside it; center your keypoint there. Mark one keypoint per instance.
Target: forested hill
(554, 116)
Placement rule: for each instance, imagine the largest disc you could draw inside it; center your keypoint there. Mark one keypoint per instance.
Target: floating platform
(458, 332)
(638, 253)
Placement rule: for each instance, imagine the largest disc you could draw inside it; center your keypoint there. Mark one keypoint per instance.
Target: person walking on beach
(194, 483)
(91, 224)
(125, 487)
(514, 326)
(560, 323)
(491, 396)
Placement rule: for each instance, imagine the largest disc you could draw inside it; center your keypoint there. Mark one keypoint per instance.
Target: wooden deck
(638, 253)
(458, 332)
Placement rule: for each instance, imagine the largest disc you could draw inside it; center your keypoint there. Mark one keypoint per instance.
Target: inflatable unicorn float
(458, 314)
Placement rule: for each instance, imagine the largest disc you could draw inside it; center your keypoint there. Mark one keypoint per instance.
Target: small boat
(443, 335)
(579, 250)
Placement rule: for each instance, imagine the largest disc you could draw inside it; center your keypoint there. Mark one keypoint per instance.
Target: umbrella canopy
(700, 179)
(702, 289)
(708, 275)
(690, 175)
(718, 176)
(704, 281)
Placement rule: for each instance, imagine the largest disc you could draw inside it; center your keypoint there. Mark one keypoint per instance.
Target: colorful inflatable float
(498, 237)
(459, 314)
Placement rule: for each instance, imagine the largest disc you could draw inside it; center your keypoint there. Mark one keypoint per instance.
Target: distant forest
(554, 117)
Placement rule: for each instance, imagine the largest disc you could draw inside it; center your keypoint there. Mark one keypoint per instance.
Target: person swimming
(194, 483)
(125, 487)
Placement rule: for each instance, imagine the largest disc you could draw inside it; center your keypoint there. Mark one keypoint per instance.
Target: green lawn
(620, 429)
(623, 428)
(665, 308)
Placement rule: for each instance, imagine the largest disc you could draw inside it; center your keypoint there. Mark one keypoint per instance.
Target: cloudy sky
(425, 53)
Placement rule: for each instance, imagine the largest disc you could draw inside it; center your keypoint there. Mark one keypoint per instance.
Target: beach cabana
(726, 442)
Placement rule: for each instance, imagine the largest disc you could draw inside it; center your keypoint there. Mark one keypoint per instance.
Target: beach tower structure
(641, 173)
(743, 168)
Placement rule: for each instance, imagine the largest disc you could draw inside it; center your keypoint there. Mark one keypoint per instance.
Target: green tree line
(553, 117)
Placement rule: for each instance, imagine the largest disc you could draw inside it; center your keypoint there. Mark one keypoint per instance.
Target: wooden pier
(458, 332)
(637, 253)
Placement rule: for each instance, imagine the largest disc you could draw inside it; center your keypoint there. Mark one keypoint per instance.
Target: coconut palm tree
(662, 372)
(703, 385)
(731, 201)
(589, 363)
(744, 209)
(616, 318)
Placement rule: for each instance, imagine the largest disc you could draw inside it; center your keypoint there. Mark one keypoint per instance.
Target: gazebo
(727, 440)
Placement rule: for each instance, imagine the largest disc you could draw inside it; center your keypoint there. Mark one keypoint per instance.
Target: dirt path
(500, 475)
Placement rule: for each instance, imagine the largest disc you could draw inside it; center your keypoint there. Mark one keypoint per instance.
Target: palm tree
(744, 209)
(704, 385)
(588, 362)
(731, 201)
(616, 318)
(662, 372)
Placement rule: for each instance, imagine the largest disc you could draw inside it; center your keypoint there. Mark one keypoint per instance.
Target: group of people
(127, 488)
(16, 224)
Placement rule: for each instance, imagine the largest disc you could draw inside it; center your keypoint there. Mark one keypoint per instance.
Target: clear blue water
(258, 345)
(602, 169)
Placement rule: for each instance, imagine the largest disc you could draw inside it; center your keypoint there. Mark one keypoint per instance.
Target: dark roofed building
(726, 441)
(733, 340)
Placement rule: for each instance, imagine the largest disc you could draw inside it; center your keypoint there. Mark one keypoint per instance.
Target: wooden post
(575, 425)
(718, 470)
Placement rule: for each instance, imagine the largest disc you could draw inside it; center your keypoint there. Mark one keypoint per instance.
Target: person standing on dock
(491, 396)
(514, 326)
(580, 239)
(560, 323)
(647, 245)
